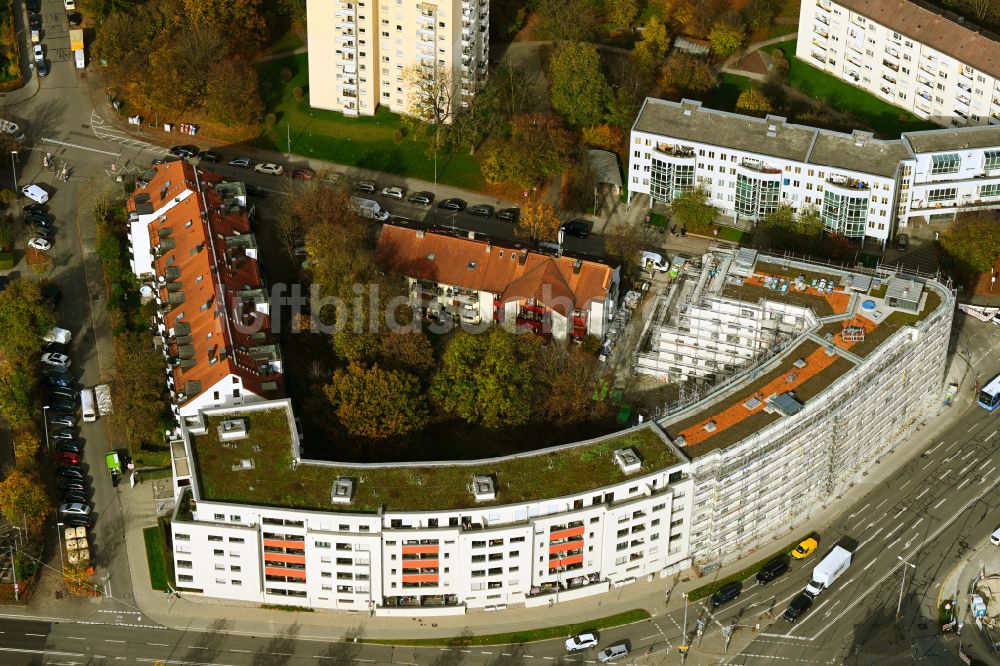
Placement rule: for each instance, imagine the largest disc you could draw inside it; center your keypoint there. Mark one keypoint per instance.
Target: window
(991, 160)
(218, 551)
(941, 194)
(213, 537)
(235, 539)
(185, 579)
(184, 564)
(941, 164)
(989, 191)
(220, 516)
(182, 537)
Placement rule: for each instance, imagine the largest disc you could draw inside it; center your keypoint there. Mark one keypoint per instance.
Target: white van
(81, 58)
(35, 193)
(654, 262)
(995, 537)
(88, 405)
(60, 335)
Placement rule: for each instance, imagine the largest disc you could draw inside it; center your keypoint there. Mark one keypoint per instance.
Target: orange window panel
(282, 557)
(566, 534)
(569, 545)
(416, 550)
(287, 573)
(566, 561)
(276, 543)
(420, 578)
(420, 564)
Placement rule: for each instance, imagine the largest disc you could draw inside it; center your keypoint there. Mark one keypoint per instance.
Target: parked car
(74, 496)
(74, 19)
(270, 168)
(393, 192)
(71, 472)
(243, 162)
(51, 292)
(581, 642)
(45, 233)
(73, 446)
(34, 6)
(509, 214)
(254, 191)
(57, 380)
(772, 570)
(39, 52)
(38, 218)
(62, 421)
(482, 210)
(55, 348)
(65, 435)
(303, 173)
(77, 521)
(299, 249)
(805, 549)
(453, 203)
(577, 228)
(424, 198)
(42, 67)
(40, 244)
(62, 407)
(66, 457)
(34, 21)
(56, 359)
(76, 508)
(56, 371)
(995, 537)
(726, 594)
(799, 605)
(209, 156)
(613, 653)
(35, 209)
(366, 186)
(184, 151)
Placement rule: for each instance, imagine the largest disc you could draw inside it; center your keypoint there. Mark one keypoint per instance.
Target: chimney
(577, 265)
(522, 259)
(489, 247)
(420, 233)
(472, 235)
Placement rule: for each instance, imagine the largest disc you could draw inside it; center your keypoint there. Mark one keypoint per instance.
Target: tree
(231, 96)
(242, 20)
(508, 92)
(566, 20)
(432, 102)
(538, 148)
(620, 12)
(24, 319)
(138, 388)
(486, 379)
(726, 37)
(17, 388)
(579, 91)
(692, 208)
(972, 240)
(377, 403)
(758, 13)
(604, 137)
(686, 73)
(567, 377)
(27, 442)
(649, 53)
(538, 222)
(624, 242)
(23, 499)
(984, 10)
(753, 102)
(411, 352)
(7, 233)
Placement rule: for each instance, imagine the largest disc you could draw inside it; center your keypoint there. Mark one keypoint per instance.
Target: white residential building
(364, 53)
(862, 187)
(930, 62)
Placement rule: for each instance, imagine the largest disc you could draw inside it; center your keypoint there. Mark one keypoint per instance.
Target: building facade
(475, 281)
(930, 62)
(193, 249)
(861, 187)
(369, 53)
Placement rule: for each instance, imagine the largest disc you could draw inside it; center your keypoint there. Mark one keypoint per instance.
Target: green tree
(23, 498)
(624, 242)
(24, 319)
(753, 102)
(649, 53)
(692, 208)
(758, 13)
(17, 389)
(376, 403)
(486, 379)
(686, 73)
(538, 222)
(566, 20)
(8, 234)
(138, 388)
(972, 240)
(538, 148)
(579, 91)
(726, 37)
(231, 96)
(567, 377)
(621, 12)
(27, 443)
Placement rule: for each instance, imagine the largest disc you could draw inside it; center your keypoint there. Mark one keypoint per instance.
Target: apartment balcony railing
(821, 32)
(818, 44)
(891, 65)
(759, 167)
(848, 182)
(824, 5)
(963, 99)
(823, 19)
(819, 57)
(965, 86)
(675, 151)
(924, 81)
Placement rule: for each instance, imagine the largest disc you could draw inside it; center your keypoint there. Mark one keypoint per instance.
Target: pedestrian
(673, 230)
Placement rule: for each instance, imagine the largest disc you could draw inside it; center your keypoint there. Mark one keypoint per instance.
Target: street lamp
(684, 632)
(13, 167)
(901, 583)
(62, 563)
(45, 422)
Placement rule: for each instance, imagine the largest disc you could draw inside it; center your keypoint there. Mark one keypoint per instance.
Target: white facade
(862, 187)
(921, 60)
(363, 53)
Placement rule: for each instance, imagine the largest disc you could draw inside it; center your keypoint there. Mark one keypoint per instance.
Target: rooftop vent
(628, 460)
(232, 429)
(799, 363)
(342, 491)
(430, 256)
(577, 265)
(710, 426)
(420, 233)
(483, 488)
(245, 464)
(472, 265)
(772, 128)
(687, 112)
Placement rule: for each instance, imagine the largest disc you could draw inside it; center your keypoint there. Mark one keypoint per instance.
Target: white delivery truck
(60, 335)
(829, 570)
(80, 58)
(35, 193)
(654, 262)
(88, 405)
(369, 209)
(103, 394)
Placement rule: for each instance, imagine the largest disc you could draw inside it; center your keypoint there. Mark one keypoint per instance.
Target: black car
(70, 445)
(51, 292)
(209, 156)
(509, 214)
(453, 204)
(56, 371)
(43, 69)
(35, 209)
(57, 380)
(73, 485)
(34, 6)
(799, 605)
(63, 406)
(65, 393)
(772, 570)
(38, 221)
(726, 594)
(75, 19)
(39, 231)
(73, 520)
(255, 191)
(55, 348)
(71, 472)
(69, 496)
(366, 186)
(423, 198)
(34, 22)
(62, 421)
(577, 228)
(184, 151)
(482, 210)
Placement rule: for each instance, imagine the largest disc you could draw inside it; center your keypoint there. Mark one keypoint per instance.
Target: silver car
(74, 508)
(613, 653)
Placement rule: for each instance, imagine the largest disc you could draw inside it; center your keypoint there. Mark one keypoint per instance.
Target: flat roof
(270, 479)
(959, 138)
(873, 156)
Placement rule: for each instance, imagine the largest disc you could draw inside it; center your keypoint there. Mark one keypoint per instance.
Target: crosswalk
(106, 131)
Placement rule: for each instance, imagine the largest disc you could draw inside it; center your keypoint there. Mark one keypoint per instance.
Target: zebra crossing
(106, 131)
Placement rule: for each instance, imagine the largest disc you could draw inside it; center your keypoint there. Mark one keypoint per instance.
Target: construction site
(787, 380)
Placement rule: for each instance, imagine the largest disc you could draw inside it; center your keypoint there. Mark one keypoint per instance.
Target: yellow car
(805, 549)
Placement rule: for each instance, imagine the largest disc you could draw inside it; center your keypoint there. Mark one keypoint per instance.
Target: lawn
(885, 119)
(371, 142)
(155, 558)
(724, 96)
(530, 636)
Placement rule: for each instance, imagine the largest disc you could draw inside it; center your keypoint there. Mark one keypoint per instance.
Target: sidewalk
(957, 585)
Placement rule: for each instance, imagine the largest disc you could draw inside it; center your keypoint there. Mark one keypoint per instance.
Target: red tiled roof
(476, 264)
(211, 273)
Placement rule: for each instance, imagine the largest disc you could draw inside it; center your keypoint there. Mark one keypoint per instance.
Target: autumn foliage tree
(375, 403)
(27, 443)
(726, 36)
(539, 147)
(686, 73)
(538, 222)
(605, 137)
(972, 240)
(753, 102)
(138, 388)
(23, 499)
(579, 91)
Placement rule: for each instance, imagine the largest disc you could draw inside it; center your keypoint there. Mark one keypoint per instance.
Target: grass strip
(713, 587)
(529, 636)
(153, 536)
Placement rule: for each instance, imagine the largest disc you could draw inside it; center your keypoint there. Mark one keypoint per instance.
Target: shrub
(286, 74)
(270, 119)
(6, 261)
(298, 93)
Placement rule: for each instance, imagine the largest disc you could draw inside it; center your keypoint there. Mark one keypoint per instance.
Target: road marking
(893, 543)
(932, 462)
(901, 512)
(794, 638)
(919, 520)
(990, 436)
(950, 458)
(892, 531)
(940, 502)
(867, 566)
(947, 472)
(158, 644)
(108, 640)
(235, 650)
(881, 503)
(922, 493)
(973, 427)
(959, 486)
(936, 447)
(827, 614)
(968, 453)
(860, 510)
(81, 638)
(967, 467)
(952, 445)
(644, 638)
(906, 484)
(74, 145)
(871, 537)
(42, 635)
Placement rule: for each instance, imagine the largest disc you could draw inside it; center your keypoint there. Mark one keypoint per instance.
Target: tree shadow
(344, 651)
(453, 655)
(279, 649)
(207, 648)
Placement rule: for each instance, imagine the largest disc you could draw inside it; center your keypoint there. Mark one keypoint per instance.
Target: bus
(989, 396)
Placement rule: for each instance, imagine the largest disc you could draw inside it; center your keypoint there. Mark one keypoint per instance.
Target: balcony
(818, 44)
(823, 19)
(923, 107)
(892, 52)
(848, 183)
(965, 100)
(965, 73)
(925, 95)
(965, 86)
(961, 114)
(760, 167)
(824, 5)
(889, 79)
(821, 32)
(819, 57)
(924, 81)
(682, 152)
(890, 65)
